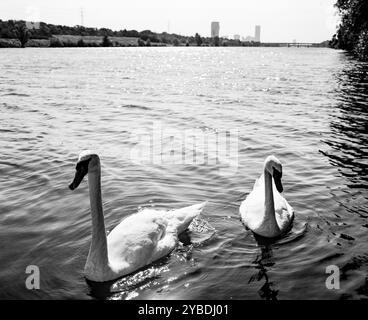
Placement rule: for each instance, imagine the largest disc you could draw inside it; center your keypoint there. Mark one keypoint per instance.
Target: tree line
(352, 33)
(13, 29)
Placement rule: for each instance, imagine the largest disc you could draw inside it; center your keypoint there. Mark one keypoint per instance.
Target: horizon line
(162, 32)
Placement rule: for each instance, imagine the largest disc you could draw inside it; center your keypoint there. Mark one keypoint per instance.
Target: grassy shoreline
(72, 41)
(78, 41)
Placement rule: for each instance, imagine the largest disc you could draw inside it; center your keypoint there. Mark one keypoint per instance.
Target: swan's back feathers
(180, 219)
(147, 236)
(133, 241)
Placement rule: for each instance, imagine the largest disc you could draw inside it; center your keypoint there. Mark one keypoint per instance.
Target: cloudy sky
(281, 20)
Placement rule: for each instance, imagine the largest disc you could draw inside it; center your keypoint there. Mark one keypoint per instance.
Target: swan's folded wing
(283, 211)
(164, 246)
(133, 242)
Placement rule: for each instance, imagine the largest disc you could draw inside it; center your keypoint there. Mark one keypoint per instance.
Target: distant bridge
(294, 44)
(302, 44)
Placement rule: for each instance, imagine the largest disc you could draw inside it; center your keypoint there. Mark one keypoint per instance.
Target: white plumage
(136, 241)
(147, 236)
(265, 211)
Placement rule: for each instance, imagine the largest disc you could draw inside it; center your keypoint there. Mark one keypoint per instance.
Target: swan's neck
(269, 202)
(97, 260)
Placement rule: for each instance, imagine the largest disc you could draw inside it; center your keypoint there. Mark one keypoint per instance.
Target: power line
(82, 17)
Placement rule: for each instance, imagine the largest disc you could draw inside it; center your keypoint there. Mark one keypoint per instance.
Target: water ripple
(308, 107)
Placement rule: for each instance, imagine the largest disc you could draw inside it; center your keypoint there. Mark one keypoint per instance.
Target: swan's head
(88, 161)
(274, 167)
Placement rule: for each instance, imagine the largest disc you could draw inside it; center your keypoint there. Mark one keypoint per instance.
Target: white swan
(265, 211)
(137, 241)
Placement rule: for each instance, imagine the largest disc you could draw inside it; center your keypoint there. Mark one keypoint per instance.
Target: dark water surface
(307, 106)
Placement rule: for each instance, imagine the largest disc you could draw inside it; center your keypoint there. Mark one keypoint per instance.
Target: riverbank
(78, 41)
(98, 41)
(18, 34)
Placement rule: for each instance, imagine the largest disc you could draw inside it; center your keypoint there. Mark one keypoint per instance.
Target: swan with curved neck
(265, 211)
(138, 240)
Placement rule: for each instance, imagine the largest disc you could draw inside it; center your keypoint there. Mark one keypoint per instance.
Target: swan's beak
(277, 178)
(81, 171)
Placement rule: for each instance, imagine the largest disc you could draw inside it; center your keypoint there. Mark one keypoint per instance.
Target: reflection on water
(348, 152)
(306, 106)
(348, 139)
(128, 286)
(263, 262)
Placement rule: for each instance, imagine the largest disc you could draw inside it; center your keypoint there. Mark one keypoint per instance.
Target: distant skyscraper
(215, 29)
(257, 34)
(236, 37)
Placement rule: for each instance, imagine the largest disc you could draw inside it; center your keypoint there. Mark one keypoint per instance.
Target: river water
(306, 106)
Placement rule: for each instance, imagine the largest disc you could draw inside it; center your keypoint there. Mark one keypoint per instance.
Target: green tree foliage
(45, 31)
(176, 42)
(198, 39)
(106, 41)
(22, 34)
(55, 42)
(361, 48)
(352, 34)
(51, 32)
(81, 43)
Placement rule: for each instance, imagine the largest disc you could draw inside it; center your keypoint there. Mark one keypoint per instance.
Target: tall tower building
(257, 34)
(215, 29)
